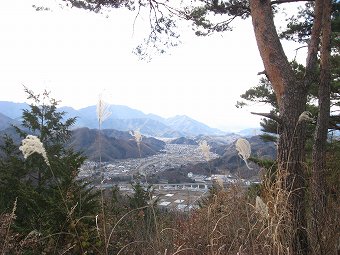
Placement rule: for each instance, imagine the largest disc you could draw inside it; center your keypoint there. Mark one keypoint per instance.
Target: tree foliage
(299, 29)
(50, 199)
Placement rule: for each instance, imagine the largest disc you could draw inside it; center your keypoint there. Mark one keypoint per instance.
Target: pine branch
(269, 115)
(290, 1)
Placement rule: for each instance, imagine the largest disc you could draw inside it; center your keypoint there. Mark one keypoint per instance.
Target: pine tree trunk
(291, 96)
(291, 157)
(318, 183)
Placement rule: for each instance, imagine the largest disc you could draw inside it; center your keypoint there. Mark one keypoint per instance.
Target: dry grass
(7, 238)
(329, 240)
(229, 223)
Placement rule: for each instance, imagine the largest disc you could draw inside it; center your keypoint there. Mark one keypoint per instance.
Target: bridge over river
(183, 186)
(166, 186)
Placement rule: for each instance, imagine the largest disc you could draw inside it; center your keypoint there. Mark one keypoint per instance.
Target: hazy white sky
(78, 55)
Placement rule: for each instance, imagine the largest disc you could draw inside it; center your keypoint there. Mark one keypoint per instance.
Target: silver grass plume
(261, 207)
(32, 144)
(305, 117)
(244, 150)
(138, 138)
(103, 110)
(218, 182)
(205, 148)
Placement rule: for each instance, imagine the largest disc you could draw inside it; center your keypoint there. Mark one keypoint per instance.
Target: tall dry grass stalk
(217, 228)
(121, 220)
(5, 227)
(103, 112)
(274, 213)
(233, 222)
(329, 230)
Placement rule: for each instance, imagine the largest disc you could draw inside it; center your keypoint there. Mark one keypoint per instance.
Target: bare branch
(290, 1)
(333, 126)
(219, 25)
(171, 9)
(263, 72)
(269, 115)
(134, 22)
(297, 49)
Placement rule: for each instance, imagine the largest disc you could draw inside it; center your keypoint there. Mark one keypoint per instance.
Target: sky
(78, 55)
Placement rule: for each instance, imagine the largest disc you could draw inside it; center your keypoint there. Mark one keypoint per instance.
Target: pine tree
(51, 199)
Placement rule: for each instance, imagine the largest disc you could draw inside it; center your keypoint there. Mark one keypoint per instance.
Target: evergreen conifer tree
(50, 198)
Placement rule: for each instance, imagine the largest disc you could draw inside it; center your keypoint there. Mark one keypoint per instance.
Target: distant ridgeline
(114, 144)
(122, 118)
(117, 143)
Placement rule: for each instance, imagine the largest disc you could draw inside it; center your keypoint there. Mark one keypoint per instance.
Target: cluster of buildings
(174, 155)
(178, 197)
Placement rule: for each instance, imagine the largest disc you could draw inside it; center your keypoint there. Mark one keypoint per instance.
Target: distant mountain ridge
(190, 126)
(12, 110)
(114, 144)
(123, 118)
(6, 122)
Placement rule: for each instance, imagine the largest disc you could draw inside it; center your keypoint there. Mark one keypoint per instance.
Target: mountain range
(6, 122)
(114, 144)
(122, 118)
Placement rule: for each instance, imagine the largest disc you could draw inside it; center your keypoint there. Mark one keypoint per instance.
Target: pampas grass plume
(32, 144)
(305, 116)
(205, 148)
(137, 136)
(261, 207)
(103, 110)
(218, 182)
(244, 149)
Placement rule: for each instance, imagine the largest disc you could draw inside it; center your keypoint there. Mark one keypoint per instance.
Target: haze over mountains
(118, 143)
(123, 118)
